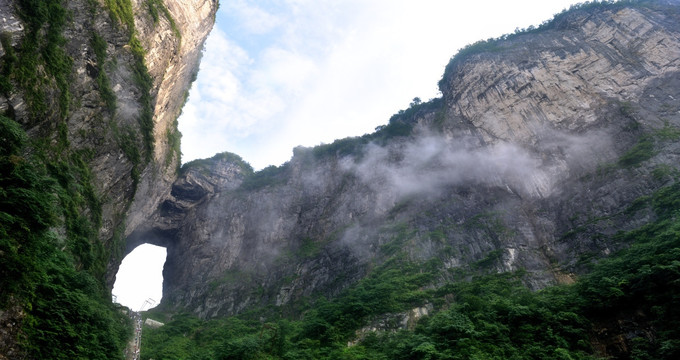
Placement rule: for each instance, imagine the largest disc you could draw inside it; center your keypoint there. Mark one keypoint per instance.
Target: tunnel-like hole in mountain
(139, 281)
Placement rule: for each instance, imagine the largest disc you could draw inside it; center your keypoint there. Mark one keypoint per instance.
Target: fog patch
(430, 163)
(427, 164)
(580, 151)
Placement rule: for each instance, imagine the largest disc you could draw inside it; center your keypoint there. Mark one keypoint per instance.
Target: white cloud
(285, 70)
(302, 72)
(253, 19)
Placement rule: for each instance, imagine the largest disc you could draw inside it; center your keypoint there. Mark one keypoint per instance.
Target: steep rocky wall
(173, 64)
(101, 120)
(97, 86)
(524, 164)
(559, 78)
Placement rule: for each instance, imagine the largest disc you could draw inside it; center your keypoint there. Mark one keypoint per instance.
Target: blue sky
(277, 74)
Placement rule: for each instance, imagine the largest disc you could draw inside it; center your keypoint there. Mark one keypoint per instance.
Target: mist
(428, 163)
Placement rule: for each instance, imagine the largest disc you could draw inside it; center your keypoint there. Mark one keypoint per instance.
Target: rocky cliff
(532, 159)
(97, 86)
(545, 147)
(131, 67)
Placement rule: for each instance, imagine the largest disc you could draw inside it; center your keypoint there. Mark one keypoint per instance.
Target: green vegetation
(121, 10)
(664, 171)
(156, 6)
(640, 152)
(42, 62)
(174, 138)
(9, 61)
(143, 80)
(230, 277)
(53, 263)
(127, 141)
(309, 248)
(269, 176)
(475, 316)
(667, 133)
(56, 279)
(400, 125)
(203, 165)
(99, 45)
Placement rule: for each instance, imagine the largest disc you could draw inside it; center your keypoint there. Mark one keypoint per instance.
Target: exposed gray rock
(91, 128)
(515, 168)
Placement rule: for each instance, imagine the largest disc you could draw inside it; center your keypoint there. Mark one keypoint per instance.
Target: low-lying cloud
(429, 163)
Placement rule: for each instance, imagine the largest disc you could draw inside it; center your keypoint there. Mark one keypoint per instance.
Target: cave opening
(139, 280)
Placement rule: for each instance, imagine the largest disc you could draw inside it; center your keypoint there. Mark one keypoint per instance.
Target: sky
(278, 74)
(140, 277)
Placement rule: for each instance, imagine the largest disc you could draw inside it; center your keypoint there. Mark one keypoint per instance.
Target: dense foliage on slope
(52, 276)
(492, 316)
(60, 228)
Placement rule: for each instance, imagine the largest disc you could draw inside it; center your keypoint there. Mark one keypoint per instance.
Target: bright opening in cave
(139, 281)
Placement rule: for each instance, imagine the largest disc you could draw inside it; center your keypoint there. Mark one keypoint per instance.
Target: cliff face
(133, 164)
(540, 142)
(97, 86)
(174, 50)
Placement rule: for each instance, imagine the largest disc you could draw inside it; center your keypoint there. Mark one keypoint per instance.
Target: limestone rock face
(173, 64)
(527, 144)
(129, 182)
(560, 77)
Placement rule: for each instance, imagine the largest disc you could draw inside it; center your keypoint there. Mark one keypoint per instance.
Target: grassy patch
(42, 62)
(203, 165)
(174, 138)
(230, 277)
(663, 171)
(309, 248)
(269, 176)
(127, 142)
(9, 61)
(121, 10)
(99, 45)
(157, 8)
(640, 152)
(667, 133)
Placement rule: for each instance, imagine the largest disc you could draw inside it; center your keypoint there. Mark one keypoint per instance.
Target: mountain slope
(89, 96)
(545, 153)
(540, 142)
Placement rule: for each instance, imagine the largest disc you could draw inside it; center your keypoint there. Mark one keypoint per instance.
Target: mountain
(529, 212)
(539, 143)
(543, 155)
(89, 93)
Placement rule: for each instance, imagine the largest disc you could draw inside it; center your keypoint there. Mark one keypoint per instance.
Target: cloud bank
(278, 74)
(429, 163)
